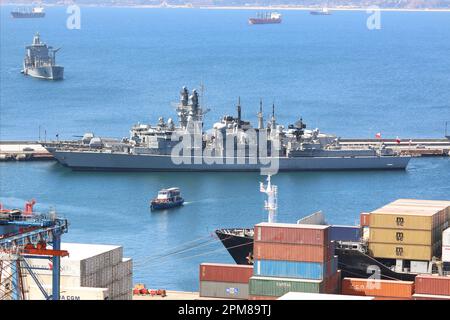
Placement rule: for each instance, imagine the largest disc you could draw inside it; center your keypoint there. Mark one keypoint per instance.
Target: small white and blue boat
(167, 199)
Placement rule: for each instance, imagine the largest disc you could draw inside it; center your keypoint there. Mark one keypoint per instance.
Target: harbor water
(127, 65)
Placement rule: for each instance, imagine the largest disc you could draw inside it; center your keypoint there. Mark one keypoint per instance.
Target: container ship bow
(361, 250)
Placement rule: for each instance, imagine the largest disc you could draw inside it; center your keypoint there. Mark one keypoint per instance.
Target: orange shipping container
(291, 233)
(433, 285)
(364, 219)
(378, 288)
(225, 272)
(292, 252)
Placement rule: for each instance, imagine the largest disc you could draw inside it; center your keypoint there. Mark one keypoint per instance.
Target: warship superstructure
(232, 144)
(39, 61)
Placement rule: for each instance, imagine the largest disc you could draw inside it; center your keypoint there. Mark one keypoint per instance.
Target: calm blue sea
(127, 65)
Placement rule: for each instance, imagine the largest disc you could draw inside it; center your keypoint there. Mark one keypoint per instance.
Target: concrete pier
(23, 151)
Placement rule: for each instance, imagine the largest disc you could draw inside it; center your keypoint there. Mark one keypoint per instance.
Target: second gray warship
(231, 145)
(40, 61)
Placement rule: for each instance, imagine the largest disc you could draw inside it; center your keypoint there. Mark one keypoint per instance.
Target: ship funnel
(37, 38)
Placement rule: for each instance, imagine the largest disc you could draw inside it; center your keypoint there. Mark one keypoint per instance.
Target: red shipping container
(292, 233)
(418, 296)
(433, 285)
(364, 219)
(292, 252)
(378, 288)
(333, 283)
(225, 272)
(262, 298)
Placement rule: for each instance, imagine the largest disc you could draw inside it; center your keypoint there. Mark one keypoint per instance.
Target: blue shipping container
(290, 269)
(345, 233)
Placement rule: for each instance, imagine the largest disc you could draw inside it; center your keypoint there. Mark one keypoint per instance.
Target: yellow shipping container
(400, 220)
(395, 251)
(401, 236)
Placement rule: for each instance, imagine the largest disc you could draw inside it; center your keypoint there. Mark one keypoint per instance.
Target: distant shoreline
(278, 8)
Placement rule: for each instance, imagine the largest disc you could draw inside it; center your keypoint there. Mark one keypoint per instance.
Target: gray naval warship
(39, 61)
(226, 147)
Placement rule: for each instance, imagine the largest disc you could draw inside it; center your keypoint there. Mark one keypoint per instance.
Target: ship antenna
(271, 203)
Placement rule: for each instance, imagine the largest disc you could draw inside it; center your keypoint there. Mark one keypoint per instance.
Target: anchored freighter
(40, 61)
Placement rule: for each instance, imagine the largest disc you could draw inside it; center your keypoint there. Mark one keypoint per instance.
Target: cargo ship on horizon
(266, 18)
(359, 250)
(36, 12)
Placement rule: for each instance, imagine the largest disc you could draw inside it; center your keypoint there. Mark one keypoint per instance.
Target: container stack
(408, 229)
(88, 266)
(430, 287)
(379, 289)
(224, 280)
(292, 258)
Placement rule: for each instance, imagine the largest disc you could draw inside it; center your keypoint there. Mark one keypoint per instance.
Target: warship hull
(47, 72)
(352, 263)
(108, 161)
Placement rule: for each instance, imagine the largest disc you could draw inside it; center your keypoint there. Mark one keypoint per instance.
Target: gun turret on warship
(232, 144)
(40, 61)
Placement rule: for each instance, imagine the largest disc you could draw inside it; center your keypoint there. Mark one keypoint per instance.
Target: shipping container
(364, 219)
(378, 288)
(446, 237)
(320, 296)
(400, 220)
(253, 297)
(228, 290)
(418, 296)
(434, 285)
(446, 253)
(294, 269)
(83, 259)
(276, 287)
(401, 236)
(70, 293)
(400, 251)
(291, 233)
(225, 272)
(344, 233)
(333, 283)
(292, 252)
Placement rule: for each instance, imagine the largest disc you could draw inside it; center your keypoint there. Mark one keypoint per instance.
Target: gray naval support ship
(225, 147)
(39, 61)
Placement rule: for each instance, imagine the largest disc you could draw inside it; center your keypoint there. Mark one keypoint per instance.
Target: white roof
(80, 251)
(321, 296)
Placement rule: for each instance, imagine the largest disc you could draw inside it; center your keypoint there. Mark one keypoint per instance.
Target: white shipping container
(446, 253)
(446, 237)
(83, 260)
(419, 266)
(70, 293)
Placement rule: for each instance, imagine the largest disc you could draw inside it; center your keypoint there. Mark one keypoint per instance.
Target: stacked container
(88, 266)
(446, 246)
(428, 287)
(408, 229)
(224, 280)
(380, 289)
(292, 257)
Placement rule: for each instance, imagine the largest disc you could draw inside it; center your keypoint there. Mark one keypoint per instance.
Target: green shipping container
(276, 287)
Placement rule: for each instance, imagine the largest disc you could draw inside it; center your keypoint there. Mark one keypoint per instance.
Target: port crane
(27, 235)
